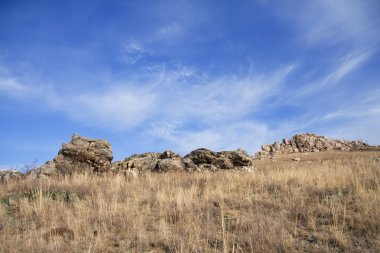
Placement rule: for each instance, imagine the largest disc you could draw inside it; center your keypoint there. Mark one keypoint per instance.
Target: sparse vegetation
(326, 202)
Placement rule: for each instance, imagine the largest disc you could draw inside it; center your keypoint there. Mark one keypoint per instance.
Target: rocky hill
(85, 155)
(321, 202)
(307, 142)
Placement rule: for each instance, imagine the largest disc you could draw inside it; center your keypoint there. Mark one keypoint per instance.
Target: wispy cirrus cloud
(13, 87)
(134, 51)
(121, 108)
(187, 109)
(170, 32)
(189, 74)
(248, 135)
(355, 117)
(349, 64)
(210, 100)
(178, 104)
(358, 121)
(332, 22)
(342, 68)
(366, 107)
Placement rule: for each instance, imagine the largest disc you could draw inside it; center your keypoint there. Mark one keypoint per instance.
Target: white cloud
(357, 112)
(357, 118)
(179, 96)
(170, 32)
(360, 128)
(348, 33)
(330, 22)
(121, 108)
(134, 51)
(347, 65)
(211, 112)
(220, 99)
(13, 87)
(134, 46)
(248, 135)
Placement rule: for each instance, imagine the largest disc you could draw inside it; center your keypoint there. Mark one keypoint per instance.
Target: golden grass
(325, 203)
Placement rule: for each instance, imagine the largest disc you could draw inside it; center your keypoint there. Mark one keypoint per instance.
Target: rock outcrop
(138, 163)
(81, 154)
(197, 160)
(224, 160)
(150, 162)
(301, 143)
(7, 175)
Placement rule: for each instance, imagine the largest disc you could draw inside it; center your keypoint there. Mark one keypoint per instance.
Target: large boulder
(170, 164)
(189, 164)
(8, 175)
(168, 154)
(239, 158)
(150, 162)
(309, 143)
(224, 160)
(48, 169)
(137, 163)
(223, 163)
(81, 154)
(94, 154)
(202, 156)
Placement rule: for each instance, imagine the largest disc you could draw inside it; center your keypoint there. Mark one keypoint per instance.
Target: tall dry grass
(325, 203)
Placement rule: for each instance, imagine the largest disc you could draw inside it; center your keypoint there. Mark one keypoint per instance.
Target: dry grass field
(327, 202)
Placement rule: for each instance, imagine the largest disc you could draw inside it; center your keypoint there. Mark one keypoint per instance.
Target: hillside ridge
(86, 155)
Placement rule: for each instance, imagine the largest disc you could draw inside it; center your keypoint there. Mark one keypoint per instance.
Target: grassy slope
(327, 202)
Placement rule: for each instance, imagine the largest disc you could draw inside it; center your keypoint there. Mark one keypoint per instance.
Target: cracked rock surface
(301, 143)
(81, 154)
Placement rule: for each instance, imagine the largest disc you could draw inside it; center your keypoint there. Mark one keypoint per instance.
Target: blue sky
(179, 75)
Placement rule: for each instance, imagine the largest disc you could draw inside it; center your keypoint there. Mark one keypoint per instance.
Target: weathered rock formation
(197, 160)
(81, 154)
(7, 175)
(301, 143)
(150, 162)
(210, 160)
